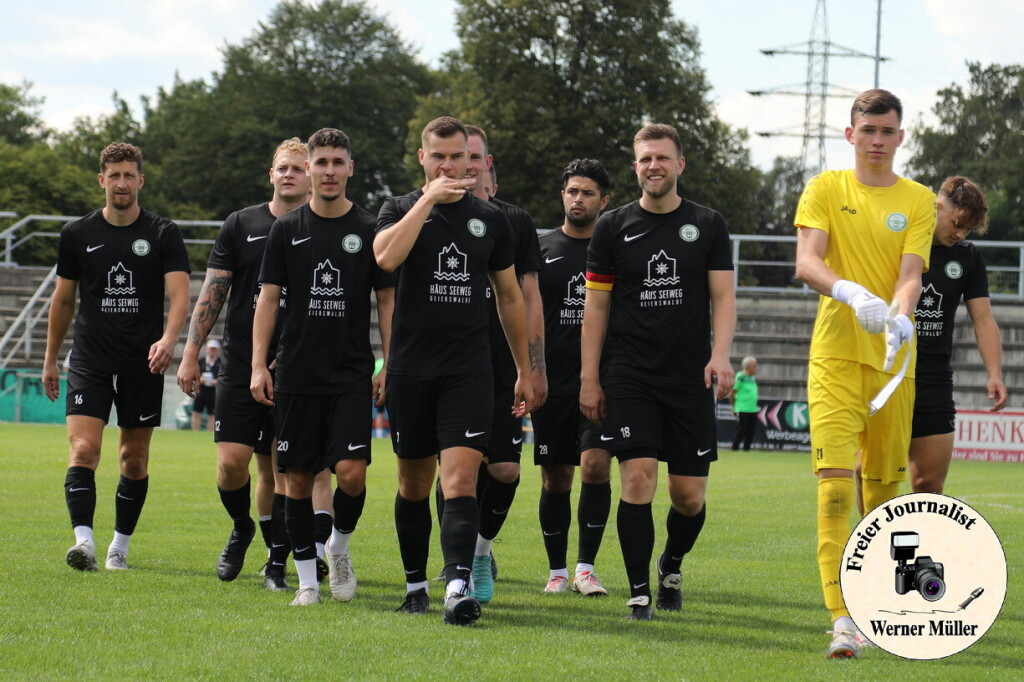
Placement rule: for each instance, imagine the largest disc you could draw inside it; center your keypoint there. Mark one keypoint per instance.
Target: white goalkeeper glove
(871, 311)
(898, 331)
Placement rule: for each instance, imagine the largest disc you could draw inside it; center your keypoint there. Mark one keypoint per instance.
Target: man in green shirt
(744, 403)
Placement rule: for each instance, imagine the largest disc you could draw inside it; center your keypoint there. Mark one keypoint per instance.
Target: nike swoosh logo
(296, 242)
(557, 532)
(701, 453)
(517, 441)
(595, 525)
(274, 545)
(608, 438)
(552, 260)
(411, 572)
(499, 513)
(302, 549)
(637, 587)
(473, 434)
(75, 490)
(90, 249)
(352, 448)
(677, 558)
(427, 221)
(461, 568)
(631, 237)
(253, 238)
(130, 499)
(147, 417)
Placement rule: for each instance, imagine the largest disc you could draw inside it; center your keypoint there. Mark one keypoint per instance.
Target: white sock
(83, 534)
(319, 550)
(584, 568)
(119, 543)
(306, 570)
(339, 542)
(843, 623)
(559, 573)
(412, 587)
(457, 586)
(483, 547)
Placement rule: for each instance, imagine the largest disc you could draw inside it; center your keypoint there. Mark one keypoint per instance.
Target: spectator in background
(209, 368)
(744, 403)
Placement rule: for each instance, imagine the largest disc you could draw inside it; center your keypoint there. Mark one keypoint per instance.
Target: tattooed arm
(528, 282)
(204, 316)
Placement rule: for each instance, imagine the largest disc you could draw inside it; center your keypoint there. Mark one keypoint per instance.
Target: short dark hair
(328, 137)
(479, 132)
(116, 152)
(444, 127)
(588, 168)
(658, 131)
(876, 101)
(967, 198)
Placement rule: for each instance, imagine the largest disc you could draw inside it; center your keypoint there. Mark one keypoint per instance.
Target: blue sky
(77, 53)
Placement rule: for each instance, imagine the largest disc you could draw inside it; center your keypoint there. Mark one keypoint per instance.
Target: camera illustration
(923, 575)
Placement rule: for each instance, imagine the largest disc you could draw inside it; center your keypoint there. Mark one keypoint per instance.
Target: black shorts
(138, 397)
(675, 423)
(506, 443)
(934, 409)
(561, 432)
(315, 432)
(431, 414)
(240, 419)
(206, 401)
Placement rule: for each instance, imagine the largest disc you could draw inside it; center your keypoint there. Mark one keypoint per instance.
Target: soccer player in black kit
(659, 286)
(245, 426)
(563, 437)
(120, 260)
(323, 383)
(447, 245)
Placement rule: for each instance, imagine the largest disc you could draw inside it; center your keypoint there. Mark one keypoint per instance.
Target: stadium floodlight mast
(816, 89)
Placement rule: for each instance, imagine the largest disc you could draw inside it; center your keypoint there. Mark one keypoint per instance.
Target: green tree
(980, 133)
(333, 64)
(88, 135)
(553, 80)
(19, 115)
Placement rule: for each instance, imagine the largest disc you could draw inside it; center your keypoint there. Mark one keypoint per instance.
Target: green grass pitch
(752, 603)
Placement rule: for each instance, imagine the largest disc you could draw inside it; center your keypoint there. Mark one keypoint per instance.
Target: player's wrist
(844, 290)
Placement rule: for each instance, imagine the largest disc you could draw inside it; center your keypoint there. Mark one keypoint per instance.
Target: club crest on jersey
(476, 227)
(897, 222)
(689, 233)
(352, 243)
(140, 247)
(930, 303)
(954, 270)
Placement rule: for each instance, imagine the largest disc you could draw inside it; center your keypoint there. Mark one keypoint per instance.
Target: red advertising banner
(983, 436)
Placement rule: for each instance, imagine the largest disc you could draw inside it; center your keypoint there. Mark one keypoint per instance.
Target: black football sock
(131, 496)
(322, 525)
(280, 546)
(298, 519)
(483, 477)
(592, 517)
(636, 536)
(80, 495)
(265, 525)
(494, 506)
(347, 510)
(682, 534)
(458, 537)
(413, 523)
(236, 502)
(555, 516)
(439, 500)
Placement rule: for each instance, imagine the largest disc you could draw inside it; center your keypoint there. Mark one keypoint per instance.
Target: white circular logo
(923, 575)
(689, 233)
(477, 227)
(352, 243)
(140, 247)
(954, 270)
(897, 222)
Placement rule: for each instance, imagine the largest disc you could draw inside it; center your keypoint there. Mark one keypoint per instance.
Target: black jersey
(327, 264)
(526, 254)
(239, 249)
(656, 266)
(954, 272)
(440, 321)
(214, 369)
(120, 273)
(563, 290)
